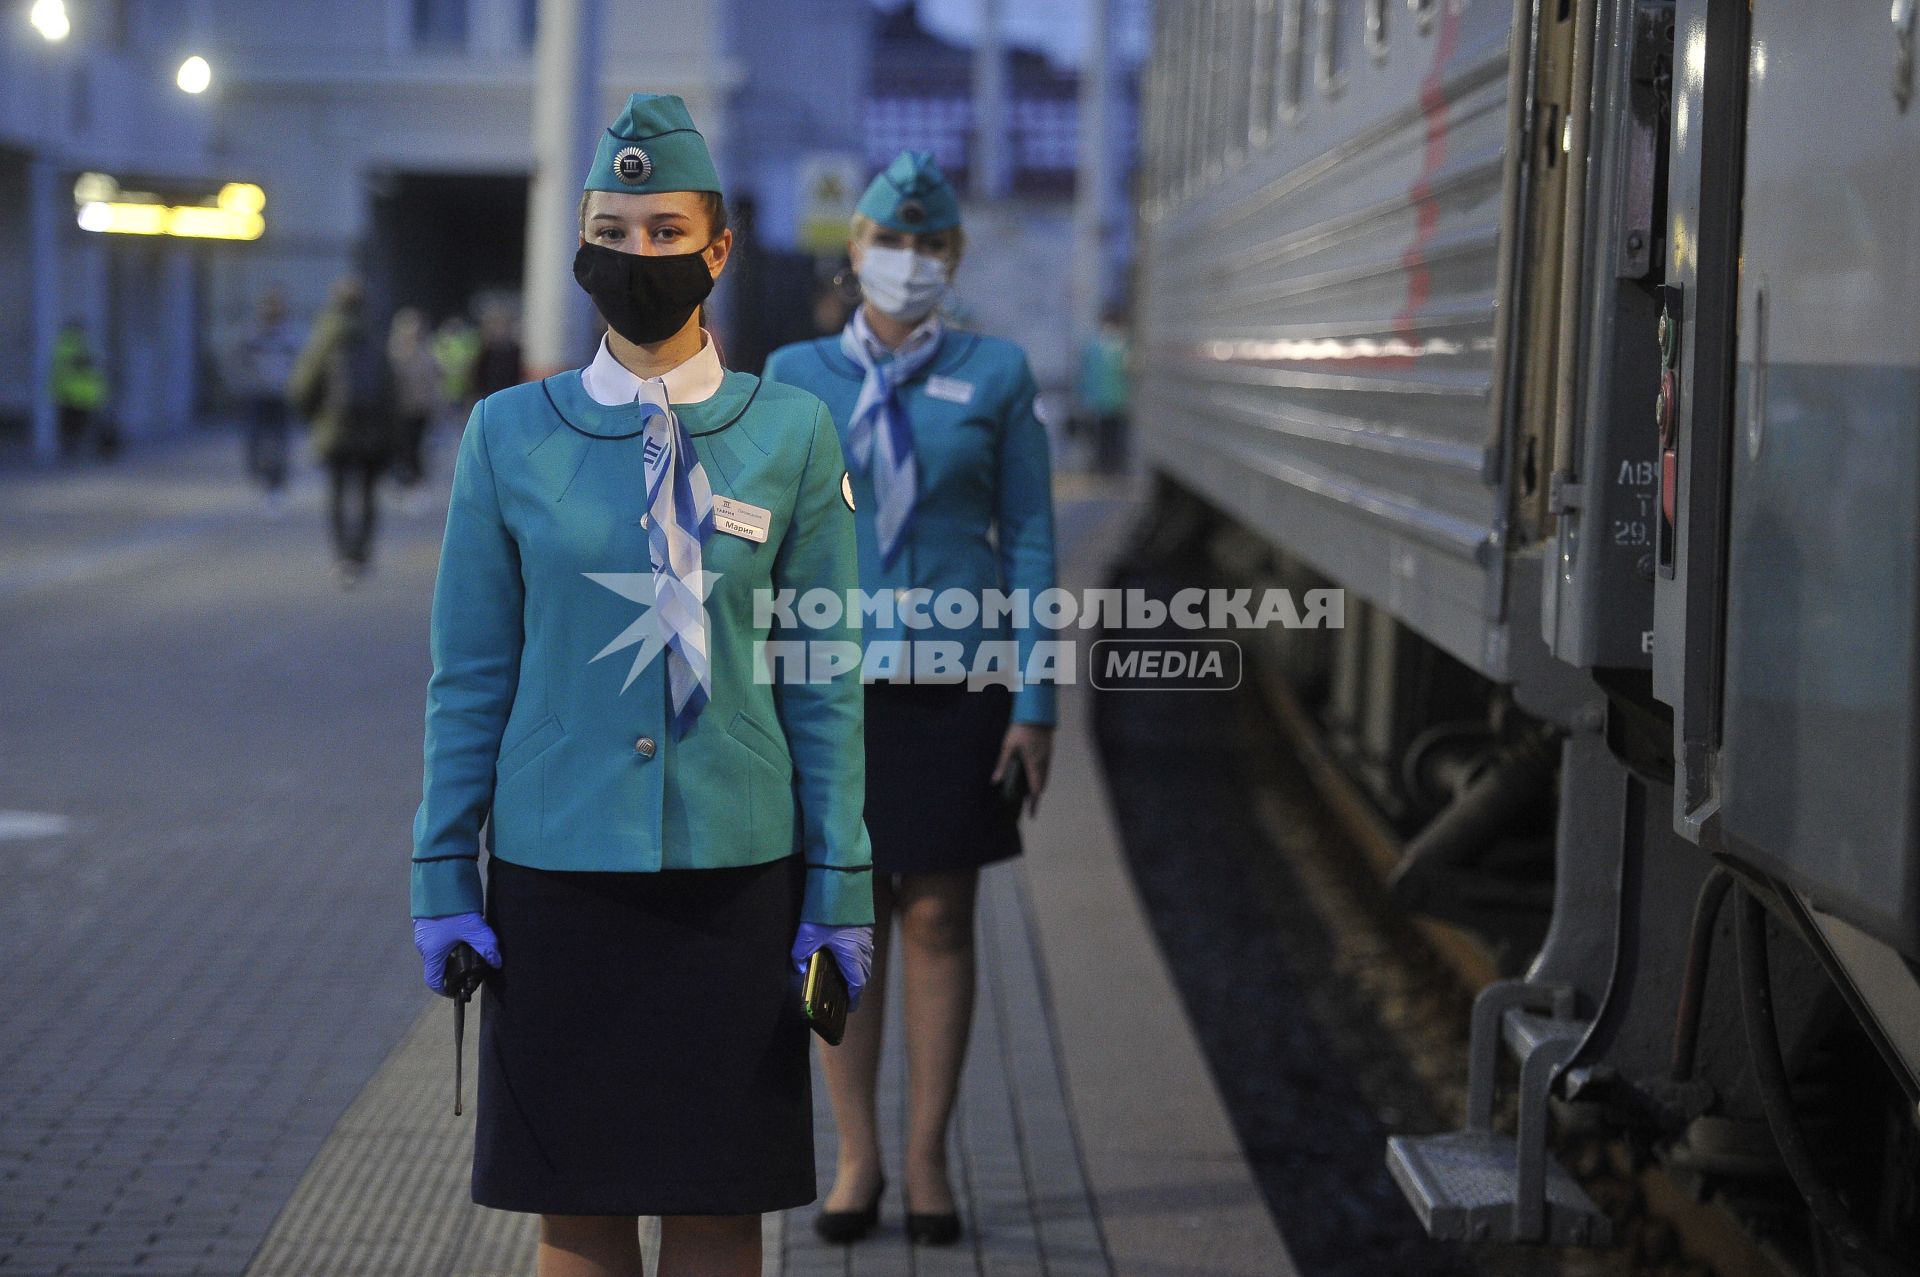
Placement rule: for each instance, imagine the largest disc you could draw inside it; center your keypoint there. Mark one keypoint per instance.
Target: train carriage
(1575, 340)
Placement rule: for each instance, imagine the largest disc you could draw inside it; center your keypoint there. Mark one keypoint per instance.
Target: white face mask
(901, 283)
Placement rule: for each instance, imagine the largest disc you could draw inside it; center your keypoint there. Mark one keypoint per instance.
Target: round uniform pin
(846, 488)
(632, 165)
(913, 212)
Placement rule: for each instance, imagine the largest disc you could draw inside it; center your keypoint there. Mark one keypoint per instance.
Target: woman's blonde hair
(860, 225)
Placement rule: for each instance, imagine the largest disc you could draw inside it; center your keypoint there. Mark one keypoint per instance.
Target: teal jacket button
(644, 747)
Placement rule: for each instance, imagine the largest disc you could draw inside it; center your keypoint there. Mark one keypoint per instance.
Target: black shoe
(842, 1227)
(933, 1230)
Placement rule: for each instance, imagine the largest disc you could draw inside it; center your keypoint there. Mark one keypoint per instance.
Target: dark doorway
(770, 297)
(19, 373)
(442, 239)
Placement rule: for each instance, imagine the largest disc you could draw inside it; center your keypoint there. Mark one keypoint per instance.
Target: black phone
(1013, 785)
(824, 997)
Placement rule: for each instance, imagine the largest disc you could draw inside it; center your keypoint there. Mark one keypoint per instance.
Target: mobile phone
(1014, 787)
(823, 997)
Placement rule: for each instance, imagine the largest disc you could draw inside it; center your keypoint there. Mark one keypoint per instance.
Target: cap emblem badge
(632, 165)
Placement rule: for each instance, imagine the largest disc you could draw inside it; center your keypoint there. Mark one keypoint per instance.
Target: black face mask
(645, 297)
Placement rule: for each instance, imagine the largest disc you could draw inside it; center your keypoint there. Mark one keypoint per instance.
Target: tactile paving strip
(388, 1194)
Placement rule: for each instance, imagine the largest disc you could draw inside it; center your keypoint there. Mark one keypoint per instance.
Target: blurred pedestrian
(79, 390)
(455, 346)
(343, 384)
(263, 360)
(416, 383)
(497, 364)
(672, 836)
(1102, 391)
(951, 491)
(831, 304)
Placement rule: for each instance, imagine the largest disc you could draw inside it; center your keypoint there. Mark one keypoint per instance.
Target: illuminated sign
(232, 212)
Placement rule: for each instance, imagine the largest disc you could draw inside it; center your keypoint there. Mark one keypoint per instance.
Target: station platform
(1090, 1137)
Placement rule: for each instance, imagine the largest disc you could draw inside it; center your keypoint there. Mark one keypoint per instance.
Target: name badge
(741, 519)
(951, 389)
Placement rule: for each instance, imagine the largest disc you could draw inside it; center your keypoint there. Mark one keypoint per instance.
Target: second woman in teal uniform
(671, 832)
(952, 491)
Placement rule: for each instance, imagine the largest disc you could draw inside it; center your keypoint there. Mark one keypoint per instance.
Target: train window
(1154, 117)
(1377, 30)
(1173, 129)
(1199, 134)
(1172, 104)
(1423, 11)
(1215, 109)
(1159, 105)
(1220, 85)
(1260, 89)
(1224, 79)
(1236, 33)
(1328, 70)
(1192, 131)
(1293, 59)
(1172, 95)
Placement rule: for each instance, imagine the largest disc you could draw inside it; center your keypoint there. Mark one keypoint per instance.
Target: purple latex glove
(435, 938)
(852, 947)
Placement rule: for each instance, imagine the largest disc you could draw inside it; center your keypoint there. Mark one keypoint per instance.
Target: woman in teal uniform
(671, 832)
(952, 491)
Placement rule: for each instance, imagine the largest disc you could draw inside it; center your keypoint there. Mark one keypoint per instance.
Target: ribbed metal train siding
(1317, 312)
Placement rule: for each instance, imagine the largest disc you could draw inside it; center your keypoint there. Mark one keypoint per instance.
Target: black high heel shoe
(939, 1229)
(844, 1227)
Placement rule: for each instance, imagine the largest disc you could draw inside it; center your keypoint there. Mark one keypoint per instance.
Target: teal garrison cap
(653, 146)
(912, 195)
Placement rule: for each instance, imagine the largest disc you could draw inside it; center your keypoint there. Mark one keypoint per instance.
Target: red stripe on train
(1426, 224)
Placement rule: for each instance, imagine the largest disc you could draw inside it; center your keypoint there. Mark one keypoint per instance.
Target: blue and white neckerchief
(879, 438)
(679, 521)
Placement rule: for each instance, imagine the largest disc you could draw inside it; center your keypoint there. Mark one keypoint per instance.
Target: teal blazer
(576, 771)
(983, 512)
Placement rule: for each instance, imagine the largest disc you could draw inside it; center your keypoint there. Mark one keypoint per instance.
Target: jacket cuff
(447, 886)
(838, 897)
(1035, 703)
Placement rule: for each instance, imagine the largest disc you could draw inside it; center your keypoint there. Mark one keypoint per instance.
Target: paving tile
(197, 868)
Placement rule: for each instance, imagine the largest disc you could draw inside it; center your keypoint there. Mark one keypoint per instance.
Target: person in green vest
(1102, 390)
(673, 832)
(79, 390)
(456, 345)
(343, 384)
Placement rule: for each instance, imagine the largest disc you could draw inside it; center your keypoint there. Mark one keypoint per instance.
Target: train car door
(1816, 766)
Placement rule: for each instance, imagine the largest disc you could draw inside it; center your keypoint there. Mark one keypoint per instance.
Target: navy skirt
(642, 1049)
(932, 806)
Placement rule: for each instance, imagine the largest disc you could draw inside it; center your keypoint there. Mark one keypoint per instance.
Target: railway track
(1329, 1014)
